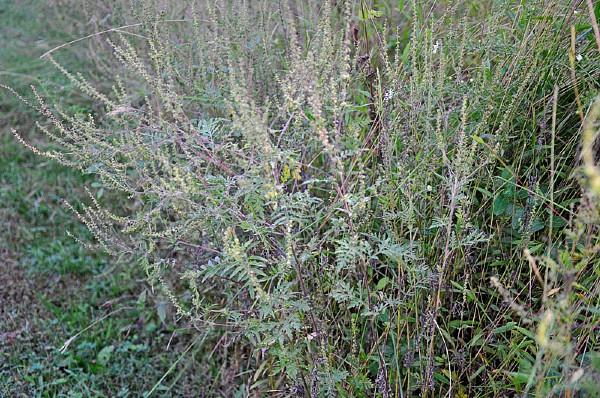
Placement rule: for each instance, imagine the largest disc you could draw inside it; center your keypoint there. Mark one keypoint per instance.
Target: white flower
(389, 95)
(578, 57)
(436, 46)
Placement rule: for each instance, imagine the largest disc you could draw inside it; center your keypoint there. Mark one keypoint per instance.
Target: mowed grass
(53, 291)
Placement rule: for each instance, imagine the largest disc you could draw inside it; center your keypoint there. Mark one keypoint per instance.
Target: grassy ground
(51, 289)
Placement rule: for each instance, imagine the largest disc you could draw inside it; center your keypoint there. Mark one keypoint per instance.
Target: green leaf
(517, 218)
(525, 332)
(505, 328)
(537, 225)
(105, 354)
(565, 259)
(558, 222)
(477, 339)
(485, 192)
(375, 14)
(519, 378)
(161, 309)
(478, 139)
(595, 356)
(499, 206)
(382, 284)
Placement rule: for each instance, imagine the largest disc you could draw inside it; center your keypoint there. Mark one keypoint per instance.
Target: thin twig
(67, 343)
(594, 22)
(117, 29)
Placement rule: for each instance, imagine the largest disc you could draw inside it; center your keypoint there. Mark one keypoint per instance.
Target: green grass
(52, 288)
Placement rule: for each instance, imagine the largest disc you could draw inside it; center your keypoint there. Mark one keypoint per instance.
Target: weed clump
(352, 209)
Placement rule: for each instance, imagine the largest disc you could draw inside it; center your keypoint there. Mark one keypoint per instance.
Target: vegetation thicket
(354, 198)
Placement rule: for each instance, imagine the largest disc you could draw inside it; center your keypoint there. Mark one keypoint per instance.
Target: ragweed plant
(333, 196)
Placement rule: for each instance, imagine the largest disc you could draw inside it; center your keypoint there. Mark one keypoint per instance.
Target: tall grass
(356, 198)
